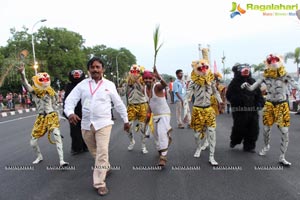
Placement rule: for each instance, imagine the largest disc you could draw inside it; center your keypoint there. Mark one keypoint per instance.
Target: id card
(86, 105)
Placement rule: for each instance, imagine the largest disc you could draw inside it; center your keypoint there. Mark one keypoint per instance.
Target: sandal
(108, 172)
(162, 161)
(102, 191)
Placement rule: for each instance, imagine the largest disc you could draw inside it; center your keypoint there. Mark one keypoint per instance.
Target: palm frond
(287, 56)
(297, 55)
(157, 46)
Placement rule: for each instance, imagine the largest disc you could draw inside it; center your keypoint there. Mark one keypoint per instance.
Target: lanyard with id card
(87, 103)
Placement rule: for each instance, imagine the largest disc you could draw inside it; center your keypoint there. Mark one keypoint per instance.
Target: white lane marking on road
(20, 118)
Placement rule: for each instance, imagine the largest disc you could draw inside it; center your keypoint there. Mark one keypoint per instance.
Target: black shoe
(250, 150)
(180, 126)
(76, 152)
(232, 145)
(108, 172)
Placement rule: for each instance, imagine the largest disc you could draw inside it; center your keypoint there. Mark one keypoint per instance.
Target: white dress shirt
(96, 101)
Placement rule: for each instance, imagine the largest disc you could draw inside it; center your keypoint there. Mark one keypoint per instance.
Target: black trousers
(78, 143)
(245, 128)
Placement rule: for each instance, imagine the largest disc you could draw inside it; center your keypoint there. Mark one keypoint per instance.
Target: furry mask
(241, 70)
(200, 67)
(273, 61)
(201, 73)
(134, 70)
(135, 73)
(274, 66)
(41, 80)
(77, 75)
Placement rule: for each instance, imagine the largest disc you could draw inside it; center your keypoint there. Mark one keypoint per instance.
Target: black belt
(202, 106)
(134, 104)
(277, 103)
(44, 114)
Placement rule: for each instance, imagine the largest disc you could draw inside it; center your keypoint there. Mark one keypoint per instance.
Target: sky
(246, 38)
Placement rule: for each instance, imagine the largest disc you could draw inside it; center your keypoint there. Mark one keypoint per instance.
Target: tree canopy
(57, 51)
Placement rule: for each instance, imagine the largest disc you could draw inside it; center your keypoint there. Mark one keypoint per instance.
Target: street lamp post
(58, 84)
(223, 61)
(199, 49)
(35, 64)
(117, 65)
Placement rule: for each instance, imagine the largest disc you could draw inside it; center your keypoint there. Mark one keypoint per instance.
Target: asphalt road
(240, 175)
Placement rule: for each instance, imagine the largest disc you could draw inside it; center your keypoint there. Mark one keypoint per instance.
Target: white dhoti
(162, 129)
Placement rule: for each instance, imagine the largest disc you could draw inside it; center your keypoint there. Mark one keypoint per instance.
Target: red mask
(272, 59)
(202, 68)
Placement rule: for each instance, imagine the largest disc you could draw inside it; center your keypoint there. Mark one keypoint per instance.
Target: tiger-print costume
(47, 120)
(45, 123)
(276, 108)
(137, 106)
(202, 117)
(203, 87)
(278, 113)
(137, 112)
(215, 104)
(204, 94)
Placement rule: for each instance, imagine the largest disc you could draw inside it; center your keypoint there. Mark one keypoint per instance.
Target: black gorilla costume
(245, 106)
(78, 144)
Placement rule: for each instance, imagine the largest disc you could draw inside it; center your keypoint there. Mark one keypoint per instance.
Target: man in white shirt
(96, 94)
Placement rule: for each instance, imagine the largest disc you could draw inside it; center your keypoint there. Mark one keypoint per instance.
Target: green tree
(10, 57)
(19, 41)
(258, 68)
(59, 51)
(294, 55)
(109, 56)
(226, 71)
(167, 77)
